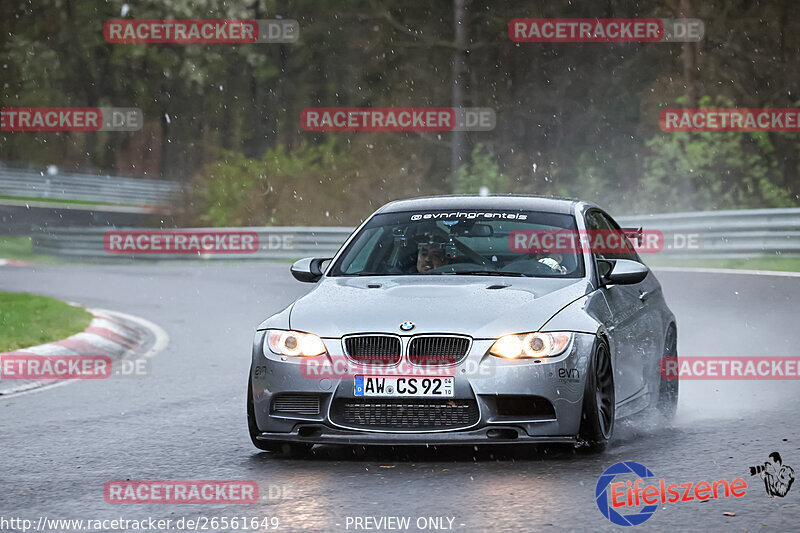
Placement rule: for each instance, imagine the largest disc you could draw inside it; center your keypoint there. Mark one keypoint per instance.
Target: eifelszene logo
(778, 477)
(601, 494)
(614, 498)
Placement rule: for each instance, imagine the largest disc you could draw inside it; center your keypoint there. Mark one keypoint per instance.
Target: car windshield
(458, 243)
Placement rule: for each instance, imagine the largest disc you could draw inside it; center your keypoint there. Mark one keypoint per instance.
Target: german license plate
(418, 387)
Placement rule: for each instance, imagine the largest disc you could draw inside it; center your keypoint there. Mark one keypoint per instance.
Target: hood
(479, 306)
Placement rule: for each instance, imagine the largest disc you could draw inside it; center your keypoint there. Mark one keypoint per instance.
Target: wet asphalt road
(186, 420)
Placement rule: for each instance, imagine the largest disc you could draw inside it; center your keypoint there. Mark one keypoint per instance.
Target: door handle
(644, 295)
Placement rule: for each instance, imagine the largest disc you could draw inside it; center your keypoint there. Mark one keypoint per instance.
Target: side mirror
(622, 271)
(308, 270)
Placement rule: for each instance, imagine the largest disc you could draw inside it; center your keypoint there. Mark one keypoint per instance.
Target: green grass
(58, 200)
(766, 262)
(27, 320)
(21, 249)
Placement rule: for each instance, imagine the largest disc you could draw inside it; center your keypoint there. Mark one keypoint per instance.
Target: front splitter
(499, 435)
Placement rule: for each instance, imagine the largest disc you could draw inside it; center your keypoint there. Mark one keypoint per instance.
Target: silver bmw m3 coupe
(466, 320)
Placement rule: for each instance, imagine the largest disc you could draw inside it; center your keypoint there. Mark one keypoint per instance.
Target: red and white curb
(110, 333)
(14, 262)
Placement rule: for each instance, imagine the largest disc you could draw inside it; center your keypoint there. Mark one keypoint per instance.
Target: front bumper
(557, 383)
(486, 435)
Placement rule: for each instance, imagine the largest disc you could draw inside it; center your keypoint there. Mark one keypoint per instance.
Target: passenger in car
(553, 260)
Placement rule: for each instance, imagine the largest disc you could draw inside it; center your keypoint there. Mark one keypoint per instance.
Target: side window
(593, 221)
(624, 248)
(596, 225)
(608, 241)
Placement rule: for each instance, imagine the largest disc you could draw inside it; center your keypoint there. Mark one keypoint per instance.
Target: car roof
(515, 202)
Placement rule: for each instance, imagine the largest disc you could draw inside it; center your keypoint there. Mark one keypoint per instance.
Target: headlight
(294, 343)
(531, 345)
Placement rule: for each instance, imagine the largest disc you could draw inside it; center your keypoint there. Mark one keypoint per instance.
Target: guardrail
(273, 243)
(84, 187)
(734, 233)
(743, 233)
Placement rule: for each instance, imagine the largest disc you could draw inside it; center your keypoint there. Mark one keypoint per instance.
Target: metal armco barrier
(273, 243)
(742, 233)
(734, 233)
(110, 189)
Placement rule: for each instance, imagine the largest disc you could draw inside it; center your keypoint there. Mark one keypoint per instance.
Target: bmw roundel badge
(407, 326)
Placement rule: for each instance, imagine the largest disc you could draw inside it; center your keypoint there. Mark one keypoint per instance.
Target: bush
(310, 185)
(713, 170)
(482, 170)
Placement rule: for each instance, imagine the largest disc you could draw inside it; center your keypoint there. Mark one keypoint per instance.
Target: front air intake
(296, 404)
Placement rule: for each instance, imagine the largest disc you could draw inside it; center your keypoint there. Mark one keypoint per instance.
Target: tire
(599, 407)
(286, 448)
(667, 402)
